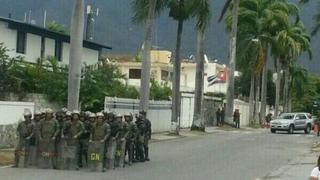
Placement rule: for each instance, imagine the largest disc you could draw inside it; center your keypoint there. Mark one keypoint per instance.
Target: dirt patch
(6, 157)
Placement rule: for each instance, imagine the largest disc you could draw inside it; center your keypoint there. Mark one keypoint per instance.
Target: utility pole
(90, 22)
(45, 19)
(75, 61)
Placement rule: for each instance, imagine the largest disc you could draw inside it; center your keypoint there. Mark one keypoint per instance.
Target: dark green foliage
(53, 26)
(159, 91)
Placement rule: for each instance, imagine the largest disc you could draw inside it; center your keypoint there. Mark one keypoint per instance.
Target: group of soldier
(74, 140)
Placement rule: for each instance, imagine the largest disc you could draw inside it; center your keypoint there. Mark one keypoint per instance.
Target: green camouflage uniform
(48, 132)
(97, 146)
(25, 132)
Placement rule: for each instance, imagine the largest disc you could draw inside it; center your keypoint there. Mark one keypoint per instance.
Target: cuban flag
(218, 78)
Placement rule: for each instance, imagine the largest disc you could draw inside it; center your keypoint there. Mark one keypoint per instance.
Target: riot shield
(47, 153)
(95, 155)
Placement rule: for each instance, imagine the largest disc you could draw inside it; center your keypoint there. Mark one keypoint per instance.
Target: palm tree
(298, 80)
(232, 62)
(147, 44)
(292, 42)
(75, 61)
(179, 11)
(201, 11)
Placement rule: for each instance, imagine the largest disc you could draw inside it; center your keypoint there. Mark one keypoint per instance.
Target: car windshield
(286, 116)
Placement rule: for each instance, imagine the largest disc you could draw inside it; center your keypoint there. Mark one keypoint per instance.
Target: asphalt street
(240, 155)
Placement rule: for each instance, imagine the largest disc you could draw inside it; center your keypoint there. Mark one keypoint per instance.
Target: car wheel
(291, 129)
(273, 130)
(308, 129)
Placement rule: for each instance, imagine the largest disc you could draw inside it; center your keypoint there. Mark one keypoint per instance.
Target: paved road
(218, 156)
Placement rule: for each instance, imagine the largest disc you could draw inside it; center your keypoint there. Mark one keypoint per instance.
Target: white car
(292, 121)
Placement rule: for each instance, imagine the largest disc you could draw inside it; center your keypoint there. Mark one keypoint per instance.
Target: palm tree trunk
(232, 63)
(198, 121)
(146, 61)
(286, 89)
(257, 100)
(176, 100)
(75, 61)
(251, 100)
(278, 87)
(264, 86)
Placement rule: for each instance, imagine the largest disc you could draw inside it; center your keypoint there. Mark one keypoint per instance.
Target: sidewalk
(156, 137)
(297, 169)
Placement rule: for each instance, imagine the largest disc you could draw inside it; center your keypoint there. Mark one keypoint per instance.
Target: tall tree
(147, 45)
(232, 62)
(179, 11)
(202, 14)
(75, 61)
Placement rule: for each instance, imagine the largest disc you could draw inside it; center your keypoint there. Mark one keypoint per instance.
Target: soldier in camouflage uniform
(84, 141)
(121, 141)
(147, 135)
(131, 137)
(100, 132)
(112, 143)
(34, 156)
(25, 132)
(140, 139)
(60, 117)
(48, 132)
(72, 131)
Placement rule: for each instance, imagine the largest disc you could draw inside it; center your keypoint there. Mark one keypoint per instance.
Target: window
(134, 73)
(21, 42)
(164, 75)
(58, 50)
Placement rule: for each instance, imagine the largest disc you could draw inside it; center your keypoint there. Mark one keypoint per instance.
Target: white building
(162, 68)
(33, 42)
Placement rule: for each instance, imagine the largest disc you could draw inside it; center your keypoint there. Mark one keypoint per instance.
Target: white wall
(9, 38)
(33, 47)
(89, 56)
(50, 47)
(159, 113)
(188, 74)
(12, 112)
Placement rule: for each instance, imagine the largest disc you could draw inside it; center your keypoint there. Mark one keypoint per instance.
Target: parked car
(292, 121)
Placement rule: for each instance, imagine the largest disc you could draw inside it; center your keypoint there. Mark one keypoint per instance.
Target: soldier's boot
(112, 164)
(16, 160)
(25, 163)
(146, 153)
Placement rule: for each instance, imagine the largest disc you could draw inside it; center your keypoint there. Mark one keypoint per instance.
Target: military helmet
(118, 116)
(92, 115)
(49, 111)
(68, 113)
(64, 110)
(27, 112)
(37, 113)
(75, 112)
(128, 115)
(99, 114)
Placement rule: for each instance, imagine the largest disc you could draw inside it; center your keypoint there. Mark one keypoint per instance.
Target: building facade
(33, 42)
(162, 68)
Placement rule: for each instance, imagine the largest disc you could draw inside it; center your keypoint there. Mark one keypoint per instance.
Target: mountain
(114, 28)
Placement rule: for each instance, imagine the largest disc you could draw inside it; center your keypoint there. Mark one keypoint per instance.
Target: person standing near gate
(236, 118)
(218, 117)
(25, 132)
(222, 116)
(48, 132)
